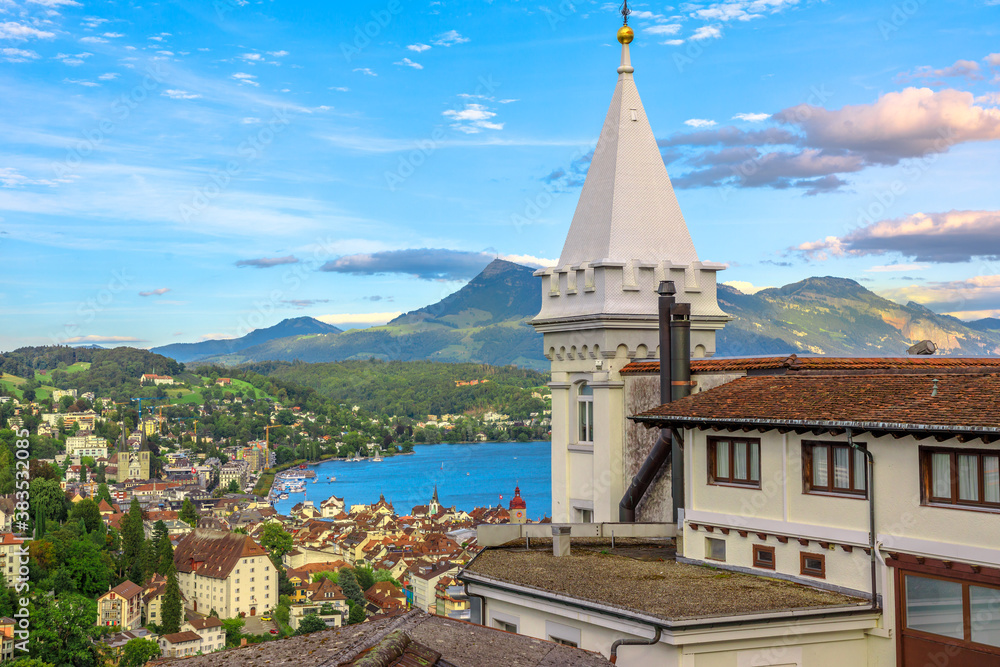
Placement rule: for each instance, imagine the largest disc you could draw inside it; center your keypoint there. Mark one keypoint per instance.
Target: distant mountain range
(488, 321)
(484, 322)
(299, 326)
(837, 316)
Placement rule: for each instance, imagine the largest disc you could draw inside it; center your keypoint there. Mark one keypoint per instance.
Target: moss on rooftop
(649, 583)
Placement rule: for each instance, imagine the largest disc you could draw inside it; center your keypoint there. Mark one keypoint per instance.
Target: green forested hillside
(415, 388)
(837, 316)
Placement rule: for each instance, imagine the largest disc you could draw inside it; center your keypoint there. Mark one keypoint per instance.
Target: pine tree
(164, 556)
(132, 543)
(188, 513)
(349, 584)
(170, 609)
(102, 493)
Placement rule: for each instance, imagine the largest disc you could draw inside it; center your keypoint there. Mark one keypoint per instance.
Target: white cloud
(474, 118)
(74, 60)
(673, 42)
(419, 48)
(893, 268)
(993, 60)
(707, 32)
(664, 29)
(531, 260)
(249, 120)
(180, 94)
(108, 76)
(112, 35)
(12, 178)
(510, 101)
(93, 40)
(699, 122)
(406, 62)
(989, 98)
(366, 71)
(103, 339)
(18, 55)
(54, 3)
(357, 320)
(341, 89)
(252, 57)
(21, 32)
(243, 77)
(450, 38)
(277, 54)
(752, 117)
(744, 286)
(79, 82)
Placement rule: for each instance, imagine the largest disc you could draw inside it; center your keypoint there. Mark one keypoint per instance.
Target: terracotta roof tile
(795, 363)
(908, 402)
(214, 553)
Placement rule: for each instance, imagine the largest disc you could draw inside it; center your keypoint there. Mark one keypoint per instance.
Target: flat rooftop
(640, 575)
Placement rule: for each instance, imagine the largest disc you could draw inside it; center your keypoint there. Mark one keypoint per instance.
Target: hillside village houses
(794, 511)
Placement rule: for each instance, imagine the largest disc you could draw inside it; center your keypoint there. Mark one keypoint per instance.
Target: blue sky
(180, 170)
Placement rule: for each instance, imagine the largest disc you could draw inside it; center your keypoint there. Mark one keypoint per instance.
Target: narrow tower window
(585, 402)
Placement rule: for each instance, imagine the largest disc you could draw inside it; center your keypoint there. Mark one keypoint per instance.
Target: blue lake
(467, 476)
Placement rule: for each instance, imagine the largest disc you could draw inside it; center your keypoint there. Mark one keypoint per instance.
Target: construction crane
(267, 433)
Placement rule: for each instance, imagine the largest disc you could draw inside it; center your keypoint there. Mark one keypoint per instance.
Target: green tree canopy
(310, 623)
(188, 513)
(171, 607)
(137, 652)
(276, 541)
(87, 511)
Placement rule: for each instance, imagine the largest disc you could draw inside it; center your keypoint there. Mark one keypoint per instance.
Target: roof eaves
(809, 423)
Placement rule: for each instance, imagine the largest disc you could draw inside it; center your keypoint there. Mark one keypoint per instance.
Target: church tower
(599, 304)
(435, 505)
(518, 508)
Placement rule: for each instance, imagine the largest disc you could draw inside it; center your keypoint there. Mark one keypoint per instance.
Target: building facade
(121, 607)
(227, 572)
(599, 304)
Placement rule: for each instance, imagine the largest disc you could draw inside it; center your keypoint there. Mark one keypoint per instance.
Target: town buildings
(121, 607)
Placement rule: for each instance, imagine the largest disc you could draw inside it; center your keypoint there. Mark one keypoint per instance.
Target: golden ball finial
(626, 35)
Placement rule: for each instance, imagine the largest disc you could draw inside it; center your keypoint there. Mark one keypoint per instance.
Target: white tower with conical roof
(599, 305)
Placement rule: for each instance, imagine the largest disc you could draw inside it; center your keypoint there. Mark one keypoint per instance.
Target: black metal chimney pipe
(680, 362)
(662, 449)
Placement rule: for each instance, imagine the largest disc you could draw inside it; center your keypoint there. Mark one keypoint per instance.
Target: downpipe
(633, 642)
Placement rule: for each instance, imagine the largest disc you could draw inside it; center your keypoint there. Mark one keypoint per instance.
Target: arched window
(585, 405)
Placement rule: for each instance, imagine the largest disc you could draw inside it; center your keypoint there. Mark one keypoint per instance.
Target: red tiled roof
(126, 589)
(186, 636)
(10, 538)
(214, 553)
(794, 363)
(207, 622)
(966, 402)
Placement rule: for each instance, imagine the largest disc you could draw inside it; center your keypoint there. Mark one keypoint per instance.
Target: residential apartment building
(85, 443)
(213, 635)
(421, 580)
(227, 572)
(121, 607)
(234, 470)
(12, 549)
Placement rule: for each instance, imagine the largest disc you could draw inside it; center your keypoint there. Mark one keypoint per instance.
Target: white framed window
(585, 412)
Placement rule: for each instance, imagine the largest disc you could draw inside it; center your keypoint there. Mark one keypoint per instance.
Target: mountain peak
(294, 326)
